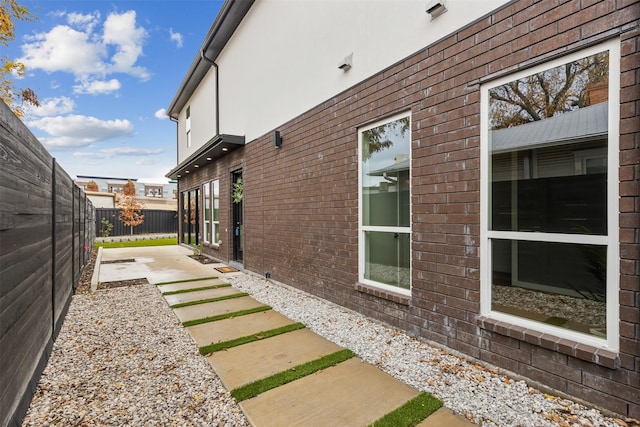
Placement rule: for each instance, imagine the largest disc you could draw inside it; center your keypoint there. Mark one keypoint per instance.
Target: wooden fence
(155, 221)
(46, 235)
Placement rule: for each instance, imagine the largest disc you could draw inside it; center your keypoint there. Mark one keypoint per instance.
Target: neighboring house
(158, 196)
(393, 161)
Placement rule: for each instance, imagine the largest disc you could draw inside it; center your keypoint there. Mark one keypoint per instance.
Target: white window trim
(207, 230)
(612, 342)
(215, 224)
(362, 228)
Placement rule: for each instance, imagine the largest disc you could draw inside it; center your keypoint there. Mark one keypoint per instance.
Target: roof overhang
(231, 14)
(219, 146)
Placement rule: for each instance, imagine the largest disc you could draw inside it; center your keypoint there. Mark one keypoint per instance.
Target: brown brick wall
(301, 200)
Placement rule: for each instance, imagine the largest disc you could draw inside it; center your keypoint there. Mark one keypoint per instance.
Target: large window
(211, 196)
(549, 197)
(385, 217)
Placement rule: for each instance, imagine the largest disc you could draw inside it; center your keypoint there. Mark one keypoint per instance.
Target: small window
(188, 126)
(385, 218)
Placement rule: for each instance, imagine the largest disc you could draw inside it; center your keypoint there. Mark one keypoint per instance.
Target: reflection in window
(548, 154)
(385, 209)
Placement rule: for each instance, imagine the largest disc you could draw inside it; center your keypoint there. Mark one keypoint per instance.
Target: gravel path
(123, 359)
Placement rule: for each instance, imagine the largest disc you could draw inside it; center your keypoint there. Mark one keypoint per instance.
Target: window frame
(362, 229)
(211, 226)
(610, 240)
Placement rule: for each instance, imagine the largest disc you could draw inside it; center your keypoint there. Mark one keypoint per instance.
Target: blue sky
(105, 71)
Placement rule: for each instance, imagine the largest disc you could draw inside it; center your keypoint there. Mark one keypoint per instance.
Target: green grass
(212, 348)
(225, 316)
(411, 413)
(255, 388)
(204, 288)
(186, 280)
(206, 300)
(138, 243)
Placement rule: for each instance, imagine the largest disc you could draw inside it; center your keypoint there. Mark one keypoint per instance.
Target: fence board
(45, 223)
(155, 221)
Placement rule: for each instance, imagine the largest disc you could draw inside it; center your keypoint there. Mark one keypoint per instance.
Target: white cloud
(120, 30)
(75, 131)
(97, 87)
(64, 49)
(108, 153)
(161, 114)
(176, 37)
(87, 54)
(52, 107)
(87, 22)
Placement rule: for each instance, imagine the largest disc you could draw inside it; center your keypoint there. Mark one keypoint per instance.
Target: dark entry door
(236, 179)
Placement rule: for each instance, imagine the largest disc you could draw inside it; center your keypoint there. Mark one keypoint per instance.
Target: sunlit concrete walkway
(351, 393)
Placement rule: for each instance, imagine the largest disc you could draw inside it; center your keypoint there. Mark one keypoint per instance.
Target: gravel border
(483, 394)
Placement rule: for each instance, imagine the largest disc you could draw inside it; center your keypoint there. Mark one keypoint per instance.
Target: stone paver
(200, 295)
(209, 309)
(189, 285)
(352, 393)
(247, 363)
(236, 327)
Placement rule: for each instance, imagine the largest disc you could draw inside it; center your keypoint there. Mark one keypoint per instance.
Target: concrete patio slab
(247, 363)
(200, 295)
(352, 393)
(209, 309)
(189, 285)
(236, 327)
(155, 263)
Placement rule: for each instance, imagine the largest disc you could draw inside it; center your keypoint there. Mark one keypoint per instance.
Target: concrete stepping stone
(444, 417)
(352, 393)
(246, 363)
(236, 327)
(200, 295)
(189, 285)
(209, 309)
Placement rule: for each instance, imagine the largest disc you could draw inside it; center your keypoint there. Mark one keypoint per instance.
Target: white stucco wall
(203, 117)
(283, 58)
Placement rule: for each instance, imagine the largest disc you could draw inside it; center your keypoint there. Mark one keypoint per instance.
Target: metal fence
(155, 221)
(46, 235)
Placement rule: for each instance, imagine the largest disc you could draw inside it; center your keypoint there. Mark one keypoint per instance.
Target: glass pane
(387, 258)
(216, 233)
(540, 125)
(385, 174)
(207, 202)
(561, 284)
(216, 201)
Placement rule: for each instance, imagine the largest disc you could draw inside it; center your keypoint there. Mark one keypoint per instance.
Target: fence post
(53, 247)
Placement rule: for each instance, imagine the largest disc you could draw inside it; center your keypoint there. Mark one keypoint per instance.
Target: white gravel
(123, 359)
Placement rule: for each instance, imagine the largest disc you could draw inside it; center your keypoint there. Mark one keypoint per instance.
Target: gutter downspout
(204, 57)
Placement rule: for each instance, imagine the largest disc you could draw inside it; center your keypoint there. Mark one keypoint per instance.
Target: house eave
(231, 14)
(216, 148)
